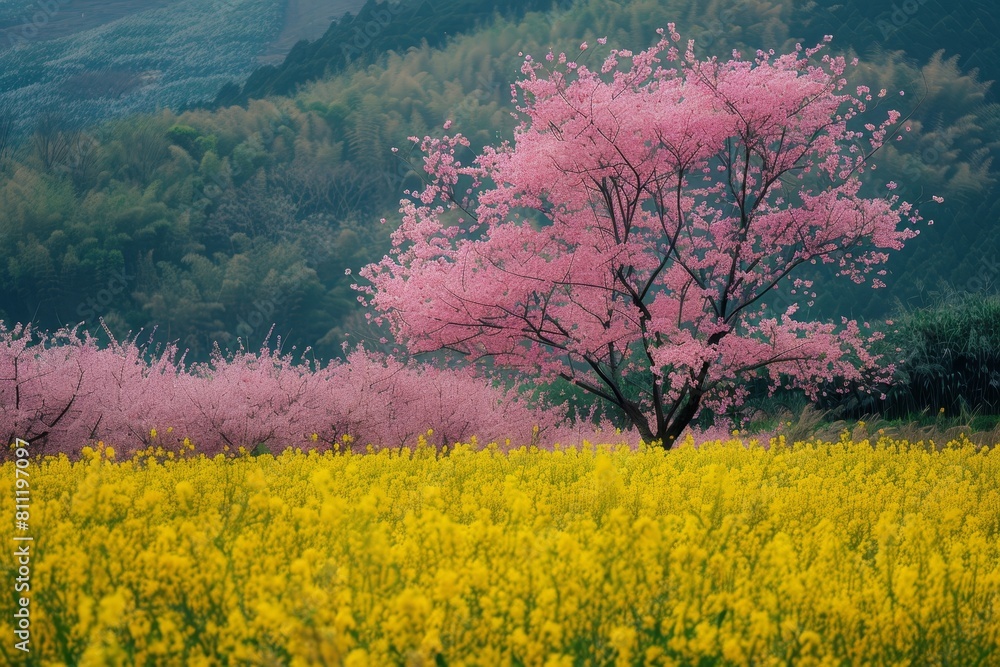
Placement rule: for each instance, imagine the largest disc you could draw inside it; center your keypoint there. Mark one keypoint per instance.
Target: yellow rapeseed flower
(789, 553)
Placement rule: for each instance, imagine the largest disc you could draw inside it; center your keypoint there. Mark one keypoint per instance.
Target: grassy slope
(68, 19)
(303, 19)
(90, 60)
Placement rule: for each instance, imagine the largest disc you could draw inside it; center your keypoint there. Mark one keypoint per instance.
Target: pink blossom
(639, 262)
(63, 392)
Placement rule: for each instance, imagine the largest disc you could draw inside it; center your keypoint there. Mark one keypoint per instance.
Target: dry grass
(812, 424)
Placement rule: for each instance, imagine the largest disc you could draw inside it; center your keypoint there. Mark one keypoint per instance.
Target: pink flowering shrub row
(63, 391)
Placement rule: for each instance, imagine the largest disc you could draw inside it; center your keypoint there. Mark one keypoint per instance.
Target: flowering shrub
(817, 553)
(62, 391)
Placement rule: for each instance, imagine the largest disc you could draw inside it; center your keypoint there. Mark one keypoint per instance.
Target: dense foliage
(817, 553)
(948, 356)
(64, 391)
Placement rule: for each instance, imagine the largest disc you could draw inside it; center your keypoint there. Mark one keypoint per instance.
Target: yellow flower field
(843, 553)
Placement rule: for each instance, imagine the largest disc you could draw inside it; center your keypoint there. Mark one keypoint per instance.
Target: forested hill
(378, 27)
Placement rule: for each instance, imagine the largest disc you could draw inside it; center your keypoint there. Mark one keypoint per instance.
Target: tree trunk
(669, 435)
(645, 432)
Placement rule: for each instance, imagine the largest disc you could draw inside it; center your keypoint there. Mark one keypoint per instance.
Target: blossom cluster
(810, 553)
(64, 391)
(632, 234)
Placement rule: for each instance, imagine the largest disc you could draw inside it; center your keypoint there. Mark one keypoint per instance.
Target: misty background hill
(95, 59)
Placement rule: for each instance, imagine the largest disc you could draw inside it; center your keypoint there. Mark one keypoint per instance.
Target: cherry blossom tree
(626, 239)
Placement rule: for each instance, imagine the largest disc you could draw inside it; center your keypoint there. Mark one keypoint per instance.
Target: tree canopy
(625, 239)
